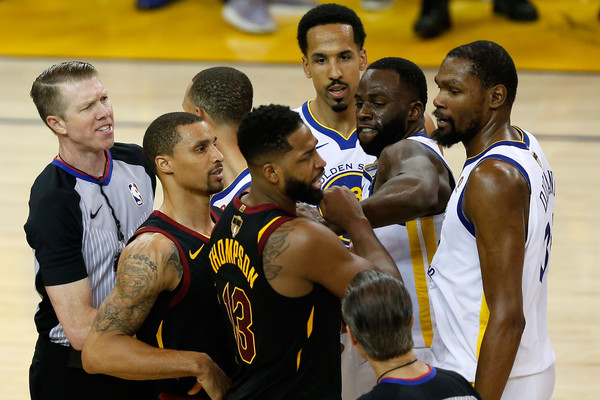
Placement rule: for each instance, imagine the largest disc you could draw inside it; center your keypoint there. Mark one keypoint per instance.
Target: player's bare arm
(302, 251)
(410, 184)
(147, 267)
(497, 204)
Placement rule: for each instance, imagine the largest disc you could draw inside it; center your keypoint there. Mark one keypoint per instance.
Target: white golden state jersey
(412, 246)
(345, 157)
(456, 289)
(241, 183)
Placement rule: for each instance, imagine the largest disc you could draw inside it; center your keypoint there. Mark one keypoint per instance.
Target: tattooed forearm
(275, 246)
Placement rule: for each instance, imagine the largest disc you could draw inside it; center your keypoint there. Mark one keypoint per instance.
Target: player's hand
(340, 207)
(312, 212)
(309, 211)
(212, 379)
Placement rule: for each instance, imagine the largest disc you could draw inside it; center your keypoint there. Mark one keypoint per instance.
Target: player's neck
(189, 210)
(233, 160)
(491, 133)
(343, 122)
(267, 194)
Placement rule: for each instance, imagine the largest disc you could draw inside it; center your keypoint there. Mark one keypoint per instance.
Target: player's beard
(302, 191)
(390, 133)
(454, 136)
(339, 107)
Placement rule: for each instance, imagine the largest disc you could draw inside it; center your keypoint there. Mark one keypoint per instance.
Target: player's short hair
(45, 89)
(410, 74)
(378, 310)
(163, 134)
(225, 94)
(491, 64)
(326, 14)
(265, 131)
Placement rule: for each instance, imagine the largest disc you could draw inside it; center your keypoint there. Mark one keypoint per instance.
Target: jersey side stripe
(484, 316)
(416, 255)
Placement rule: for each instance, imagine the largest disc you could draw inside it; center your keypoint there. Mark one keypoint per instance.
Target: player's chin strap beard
(100, 182)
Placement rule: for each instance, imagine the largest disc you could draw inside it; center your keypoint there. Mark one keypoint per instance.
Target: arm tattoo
(173, 262)
(138, 282)
(275, 246)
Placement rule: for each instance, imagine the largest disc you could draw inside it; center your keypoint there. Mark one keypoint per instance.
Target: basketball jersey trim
(185, 284)
(344, 143)
(501, 157)
(186, 276)
(515, 143)
(233, 185)
(266, 231)
(416, 256)
(429, 375)
(237, 202)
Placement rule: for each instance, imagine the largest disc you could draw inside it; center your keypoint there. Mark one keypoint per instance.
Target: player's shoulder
(404, 150)
(305, 232)
(497, 171)
(151, 240)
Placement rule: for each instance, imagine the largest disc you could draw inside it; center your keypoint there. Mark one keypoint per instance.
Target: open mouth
(337, 91)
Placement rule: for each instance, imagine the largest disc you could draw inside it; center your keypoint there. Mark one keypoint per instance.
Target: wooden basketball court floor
(558, 100)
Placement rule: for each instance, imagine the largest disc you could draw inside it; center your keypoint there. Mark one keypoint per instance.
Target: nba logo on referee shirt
(136, 194)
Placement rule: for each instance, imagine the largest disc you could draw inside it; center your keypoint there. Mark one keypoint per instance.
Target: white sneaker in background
(251, 16)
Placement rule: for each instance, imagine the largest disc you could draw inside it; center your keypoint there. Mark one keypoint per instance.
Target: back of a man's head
(264, 132)
(224, 93)
(378, 310)
(45, 90)
(326, 14)
(163, 134)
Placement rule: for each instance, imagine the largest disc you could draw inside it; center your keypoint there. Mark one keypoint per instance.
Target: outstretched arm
(148, 266)
(302, 252)
(410, 184)
(497, 204)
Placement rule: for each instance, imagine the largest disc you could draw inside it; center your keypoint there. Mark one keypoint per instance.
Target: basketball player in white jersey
(409, 185)
(222, 96)
(331, 38)
(489, 274)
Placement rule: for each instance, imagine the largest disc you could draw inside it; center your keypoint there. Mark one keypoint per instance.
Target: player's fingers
(195, 389)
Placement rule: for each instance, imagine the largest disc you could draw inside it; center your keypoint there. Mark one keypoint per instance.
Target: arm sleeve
(54, 229)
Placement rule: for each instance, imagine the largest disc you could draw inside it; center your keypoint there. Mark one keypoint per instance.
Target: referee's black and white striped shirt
(72, 231)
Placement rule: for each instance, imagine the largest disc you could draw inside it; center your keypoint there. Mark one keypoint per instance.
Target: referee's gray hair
(378, 310)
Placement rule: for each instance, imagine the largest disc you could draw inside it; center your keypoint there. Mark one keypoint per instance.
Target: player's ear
(416, 111)
(307, 72)
(363, 61)
(270, 171)
(163, 164)
(497, 96)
